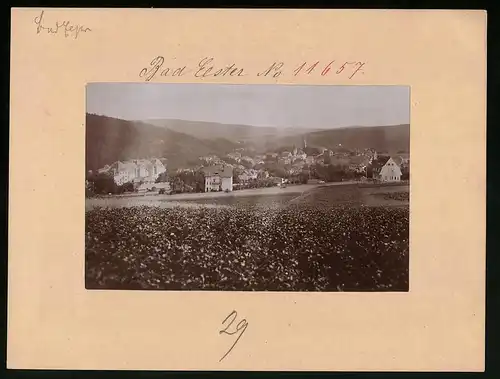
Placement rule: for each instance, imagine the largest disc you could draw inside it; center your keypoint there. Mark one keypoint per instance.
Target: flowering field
(293, 247)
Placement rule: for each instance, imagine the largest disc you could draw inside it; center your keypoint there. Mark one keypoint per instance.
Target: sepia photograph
(211, 187)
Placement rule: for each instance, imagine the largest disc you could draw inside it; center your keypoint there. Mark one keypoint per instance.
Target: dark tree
(104, 184)
(304, 176)
(127, 187)
(163, 178)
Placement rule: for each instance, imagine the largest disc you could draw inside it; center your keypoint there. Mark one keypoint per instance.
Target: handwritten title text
(207, 67)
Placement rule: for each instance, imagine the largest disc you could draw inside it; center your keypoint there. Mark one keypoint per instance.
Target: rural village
(240, 169)
(247, 188)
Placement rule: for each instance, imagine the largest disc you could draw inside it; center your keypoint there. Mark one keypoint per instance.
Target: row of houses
(220, 178)
(143, 173)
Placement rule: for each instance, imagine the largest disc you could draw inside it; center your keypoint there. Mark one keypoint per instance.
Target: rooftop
(221, 170)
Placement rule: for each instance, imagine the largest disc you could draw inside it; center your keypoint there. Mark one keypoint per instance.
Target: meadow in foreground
(284, 248)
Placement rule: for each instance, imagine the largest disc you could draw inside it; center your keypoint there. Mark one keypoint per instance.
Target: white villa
(218, 178)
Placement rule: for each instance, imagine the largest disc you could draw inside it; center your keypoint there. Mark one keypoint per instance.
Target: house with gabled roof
(384, 168)
(218, 178)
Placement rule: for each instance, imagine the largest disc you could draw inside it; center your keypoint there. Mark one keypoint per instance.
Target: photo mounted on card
(247, 187)
(282, 201)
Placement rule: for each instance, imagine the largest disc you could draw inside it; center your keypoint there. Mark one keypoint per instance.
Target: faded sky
(259, 105)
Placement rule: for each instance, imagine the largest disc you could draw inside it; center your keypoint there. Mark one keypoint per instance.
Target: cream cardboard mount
(54, 322)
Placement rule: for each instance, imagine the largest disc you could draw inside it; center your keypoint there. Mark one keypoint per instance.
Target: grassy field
(270, 200)
(326, 239)
(356, 195)
(352, 194)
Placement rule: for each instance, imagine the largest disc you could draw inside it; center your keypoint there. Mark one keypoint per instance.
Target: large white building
(135, 171)
(218, 178)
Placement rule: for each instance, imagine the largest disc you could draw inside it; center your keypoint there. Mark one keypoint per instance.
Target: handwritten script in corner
(65, 28)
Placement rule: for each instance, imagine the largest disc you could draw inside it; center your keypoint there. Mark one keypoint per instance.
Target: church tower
(305, 143)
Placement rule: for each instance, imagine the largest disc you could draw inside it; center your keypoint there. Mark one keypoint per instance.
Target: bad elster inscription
(209, 68)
